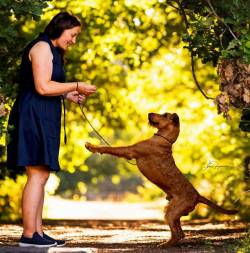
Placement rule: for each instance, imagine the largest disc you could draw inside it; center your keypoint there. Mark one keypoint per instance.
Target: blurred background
(134, 52)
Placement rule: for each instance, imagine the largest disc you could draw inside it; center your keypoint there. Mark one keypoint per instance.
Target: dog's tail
(216, 207)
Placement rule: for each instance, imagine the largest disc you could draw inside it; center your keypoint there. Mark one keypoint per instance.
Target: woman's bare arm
(41, 59)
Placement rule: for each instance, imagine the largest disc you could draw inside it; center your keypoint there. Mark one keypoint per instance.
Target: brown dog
(155, 161)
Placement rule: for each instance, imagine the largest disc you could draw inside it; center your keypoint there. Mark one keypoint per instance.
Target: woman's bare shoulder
(40, 48)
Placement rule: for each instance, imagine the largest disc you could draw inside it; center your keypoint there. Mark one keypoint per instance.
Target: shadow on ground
(93, 236)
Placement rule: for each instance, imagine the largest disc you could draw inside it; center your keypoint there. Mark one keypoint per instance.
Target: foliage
(218, 32)
(244, 122)
(10, 198)
(240, 245)
(245, 244)
(218, 29)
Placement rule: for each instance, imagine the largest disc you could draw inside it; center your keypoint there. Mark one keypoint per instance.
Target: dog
(155, 161)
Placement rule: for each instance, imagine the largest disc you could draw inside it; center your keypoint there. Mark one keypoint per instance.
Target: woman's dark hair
(59, 23)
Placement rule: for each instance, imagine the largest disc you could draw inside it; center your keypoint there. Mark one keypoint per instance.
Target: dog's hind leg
(172, 217)
(180, 231)
(173, 213)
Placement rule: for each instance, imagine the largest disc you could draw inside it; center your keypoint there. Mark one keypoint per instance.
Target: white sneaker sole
(61, 245)
(21, 244)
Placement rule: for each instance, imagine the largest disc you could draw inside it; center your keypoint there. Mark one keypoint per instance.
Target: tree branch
(221, 19)
(172, 6)
(183, 14)
(195, 79)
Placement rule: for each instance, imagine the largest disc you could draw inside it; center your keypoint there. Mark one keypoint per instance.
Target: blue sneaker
(36, 241)
(59, 243)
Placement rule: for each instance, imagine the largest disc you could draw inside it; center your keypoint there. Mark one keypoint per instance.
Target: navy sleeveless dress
(35, 120)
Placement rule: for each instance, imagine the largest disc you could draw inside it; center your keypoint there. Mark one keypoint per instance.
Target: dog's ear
(175, 119)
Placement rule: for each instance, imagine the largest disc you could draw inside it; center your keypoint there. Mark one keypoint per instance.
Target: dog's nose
(149, 116)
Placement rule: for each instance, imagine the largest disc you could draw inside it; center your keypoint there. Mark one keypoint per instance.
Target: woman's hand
(86, 89)
(75, 97)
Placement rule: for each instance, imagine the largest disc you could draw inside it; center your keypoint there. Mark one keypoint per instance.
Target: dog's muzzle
(151, 120)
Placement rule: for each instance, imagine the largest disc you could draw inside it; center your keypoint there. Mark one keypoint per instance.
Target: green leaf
(232, 44)
(247, 44)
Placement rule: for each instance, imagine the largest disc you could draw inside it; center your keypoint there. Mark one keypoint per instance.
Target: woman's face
(68, 37)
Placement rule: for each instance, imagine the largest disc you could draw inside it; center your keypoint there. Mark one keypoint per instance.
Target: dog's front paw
(92, 148)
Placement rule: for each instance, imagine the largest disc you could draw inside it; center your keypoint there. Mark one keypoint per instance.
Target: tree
(218, 32)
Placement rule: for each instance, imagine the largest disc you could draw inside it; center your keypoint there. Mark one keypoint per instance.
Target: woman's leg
(39, 216)
(33, 195)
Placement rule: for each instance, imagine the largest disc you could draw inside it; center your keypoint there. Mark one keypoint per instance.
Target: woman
(36, 117)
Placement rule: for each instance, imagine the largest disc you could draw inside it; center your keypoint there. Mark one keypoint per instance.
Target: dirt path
(92, 236)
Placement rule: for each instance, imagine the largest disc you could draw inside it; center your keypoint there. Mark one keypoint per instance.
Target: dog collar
(163, 137)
